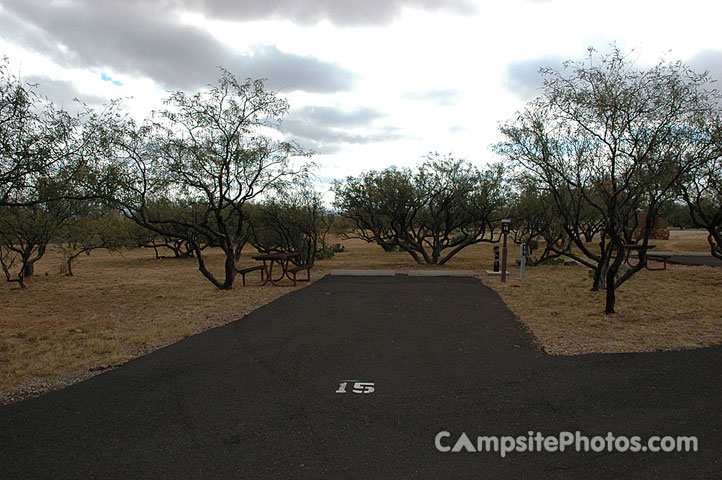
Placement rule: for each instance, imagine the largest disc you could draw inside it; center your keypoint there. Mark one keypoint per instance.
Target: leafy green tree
(25, 232)
(677, 214)
(432, 213)
(535, 220)
(94, 227)
(618, 139)
(702, 193)
(213, 150)
(143, 237)
(17, 134)
(292, 221)
(40, 143)
(49, 163)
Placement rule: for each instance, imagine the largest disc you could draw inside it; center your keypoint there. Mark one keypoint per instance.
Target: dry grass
(63, 329)
(684, 241)
(678, 308)
(116, 307)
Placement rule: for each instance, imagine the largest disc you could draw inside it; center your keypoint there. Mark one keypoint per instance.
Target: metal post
(503, 261)
(496, 258)
(523, 258)
(505, 229)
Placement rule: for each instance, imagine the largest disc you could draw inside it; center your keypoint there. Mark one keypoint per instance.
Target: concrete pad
(441, 273)
(363, 273)
(665, 252)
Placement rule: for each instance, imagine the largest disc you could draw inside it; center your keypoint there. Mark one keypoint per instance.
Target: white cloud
(370, 83)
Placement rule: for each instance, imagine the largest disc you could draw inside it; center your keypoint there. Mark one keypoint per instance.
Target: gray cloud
(711, 61)
(339, 12)
(444, 98)
(293, 72)
(326, 129)
(523, 78)
(62, 93)
(147, 40)
(334, 117)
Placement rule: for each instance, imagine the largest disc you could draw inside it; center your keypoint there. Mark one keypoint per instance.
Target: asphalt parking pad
(354, 377)
(696, 260)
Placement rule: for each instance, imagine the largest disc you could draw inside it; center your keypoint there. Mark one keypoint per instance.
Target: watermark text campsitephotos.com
(564, 441)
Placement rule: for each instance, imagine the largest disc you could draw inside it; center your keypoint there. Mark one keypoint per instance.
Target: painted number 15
(358, 387)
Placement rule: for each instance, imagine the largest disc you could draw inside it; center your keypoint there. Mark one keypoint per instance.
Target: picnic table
(283, 260)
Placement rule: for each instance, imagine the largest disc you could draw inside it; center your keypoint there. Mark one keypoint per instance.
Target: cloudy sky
(371, 83)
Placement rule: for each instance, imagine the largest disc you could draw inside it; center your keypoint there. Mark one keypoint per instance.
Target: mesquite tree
(619, 139)
(214, 150)
(49, 163)
(432, 213)
(93, 227)
(703, 194)
(22, 142)
(26, 231)
(142, 237)
(292, 220)
(535, 219)
(40, 143)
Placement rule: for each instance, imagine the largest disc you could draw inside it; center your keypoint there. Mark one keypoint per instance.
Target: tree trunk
(28, 269)
(600, 274)
(230, 270)
(175, 247)
(6, 269)
(204, 270)
(188, 251)
(413, 253)
(715, 241)
(611, 299)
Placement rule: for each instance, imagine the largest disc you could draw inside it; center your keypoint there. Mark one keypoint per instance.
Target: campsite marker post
(505, 229)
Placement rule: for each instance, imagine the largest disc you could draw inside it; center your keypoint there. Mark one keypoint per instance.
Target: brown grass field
(121, 305)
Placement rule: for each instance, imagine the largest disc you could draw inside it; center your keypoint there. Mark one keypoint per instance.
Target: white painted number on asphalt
(358, 387)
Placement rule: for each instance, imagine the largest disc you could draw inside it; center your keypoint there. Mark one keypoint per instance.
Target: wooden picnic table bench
(300, 268)
(282, 259)
(246, 270)
(661, 257)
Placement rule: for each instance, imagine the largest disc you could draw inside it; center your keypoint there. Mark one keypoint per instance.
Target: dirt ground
(121, 305)
(356, 377)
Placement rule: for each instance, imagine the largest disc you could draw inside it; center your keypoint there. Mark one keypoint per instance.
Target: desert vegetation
(126, 303)
(119, 236)
(431, 214)
(205, 171)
